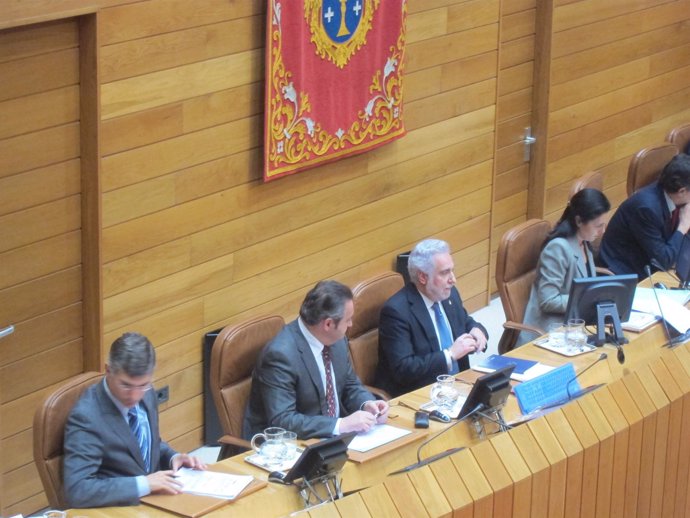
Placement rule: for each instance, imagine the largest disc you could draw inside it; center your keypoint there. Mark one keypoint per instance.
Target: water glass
(576, 337)
(270, 445)
(443, 392)
(290, 441)
(556, 335)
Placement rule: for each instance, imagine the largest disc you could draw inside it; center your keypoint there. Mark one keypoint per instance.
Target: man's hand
(378, 408)
(182, 459)
(360, 421)
(480, 338)
(463, 345)
(164, 483)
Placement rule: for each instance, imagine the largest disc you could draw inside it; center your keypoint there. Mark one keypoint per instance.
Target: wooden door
(41, 238)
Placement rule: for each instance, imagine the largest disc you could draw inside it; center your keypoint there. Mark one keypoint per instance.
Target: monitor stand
(608, 310)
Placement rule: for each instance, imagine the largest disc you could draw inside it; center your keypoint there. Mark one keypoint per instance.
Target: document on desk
(211, 483)
(675, 313)
(377, 436)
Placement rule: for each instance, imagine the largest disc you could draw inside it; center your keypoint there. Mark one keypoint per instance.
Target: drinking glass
(575, 335)
(443, 392)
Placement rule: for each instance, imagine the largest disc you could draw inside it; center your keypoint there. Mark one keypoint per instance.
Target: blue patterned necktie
(140, 430)
(444, 333)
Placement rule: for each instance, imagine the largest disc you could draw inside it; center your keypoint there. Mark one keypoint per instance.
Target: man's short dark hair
(676, 174)
(325, 300)
(132, 354)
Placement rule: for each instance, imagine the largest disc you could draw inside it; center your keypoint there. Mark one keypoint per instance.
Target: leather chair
(591, 180)
(369, 297)
(680, 136)
(233, 356)
(647, 164)
(49, 433)
(516, 263)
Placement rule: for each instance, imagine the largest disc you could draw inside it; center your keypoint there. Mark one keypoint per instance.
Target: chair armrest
(523, 327)
(379, 393)
(235, 441)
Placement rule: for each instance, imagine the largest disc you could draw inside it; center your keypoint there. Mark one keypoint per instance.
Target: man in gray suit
(113, 452)
(304, 381)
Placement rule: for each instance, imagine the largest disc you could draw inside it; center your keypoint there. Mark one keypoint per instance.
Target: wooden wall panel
(617, 83)
(40, 232)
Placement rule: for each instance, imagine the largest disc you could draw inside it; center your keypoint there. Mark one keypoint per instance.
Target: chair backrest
(233, 356)
(647, 164)
(49, 433)
(516, 263)
(591, 180)
(369, 296)
(680, 136)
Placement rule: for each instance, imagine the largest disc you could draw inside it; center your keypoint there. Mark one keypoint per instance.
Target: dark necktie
(330, 393)
(444, 333)
(675, 217)
(140, 431)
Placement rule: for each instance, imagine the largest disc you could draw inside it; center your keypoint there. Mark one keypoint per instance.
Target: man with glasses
(113, 451)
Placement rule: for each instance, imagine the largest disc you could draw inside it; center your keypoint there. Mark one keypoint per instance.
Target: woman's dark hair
(587, 204)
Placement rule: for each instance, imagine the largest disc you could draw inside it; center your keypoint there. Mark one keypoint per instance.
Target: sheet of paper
(377, 436)
(677, 315)
(211, 483)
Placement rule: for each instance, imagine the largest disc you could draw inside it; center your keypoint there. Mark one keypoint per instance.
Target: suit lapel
(421, 313)
(580, 266)
(451, 312)
(309, 361)
(113, 421)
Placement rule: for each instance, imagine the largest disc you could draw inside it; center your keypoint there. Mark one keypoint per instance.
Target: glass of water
(575, 335)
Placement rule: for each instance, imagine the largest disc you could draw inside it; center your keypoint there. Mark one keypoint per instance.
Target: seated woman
(566, 254)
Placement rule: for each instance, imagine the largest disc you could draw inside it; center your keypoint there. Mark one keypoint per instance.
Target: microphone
(656, 264)
(601, 357)
(443, 454)
(648, 271)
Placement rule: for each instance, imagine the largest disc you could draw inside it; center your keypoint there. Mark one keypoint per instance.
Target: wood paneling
(193, 240)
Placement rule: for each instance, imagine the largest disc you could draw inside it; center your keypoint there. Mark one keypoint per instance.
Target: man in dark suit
(651, 223)
(113, 452)
(304, 381)
(424, 330)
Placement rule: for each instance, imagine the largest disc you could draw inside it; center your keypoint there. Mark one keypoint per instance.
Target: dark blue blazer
(639, 231)
(409, 353)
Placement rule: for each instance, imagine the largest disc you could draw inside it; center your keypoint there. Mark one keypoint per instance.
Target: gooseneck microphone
(670, 342)
(601, 357)
(442, 454)
(656, 264)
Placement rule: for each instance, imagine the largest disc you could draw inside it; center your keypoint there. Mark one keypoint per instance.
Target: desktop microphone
(656, 264)
(602, 356)
(443, 454)
(670, 342)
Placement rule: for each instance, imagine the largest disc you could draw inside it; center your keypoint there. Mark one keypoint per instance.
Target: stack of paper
(524, 369)
(672, 306)
(211, 483)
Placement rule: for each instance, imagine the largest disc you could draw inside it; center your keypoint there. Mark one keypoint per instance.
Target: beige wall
(191, 239)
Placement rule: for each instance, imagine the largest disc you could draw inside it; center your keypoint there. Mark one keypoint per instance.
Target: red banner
(333, 80)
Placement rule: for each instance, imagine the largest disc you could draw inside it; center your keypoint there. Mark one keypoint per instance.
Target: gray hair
(133, 354)
(422, 257)
(325, 300)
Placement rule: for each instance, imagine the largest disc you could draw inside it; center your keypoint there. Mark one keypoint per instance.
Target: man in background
(649, 226)
(304, 381)
(424, 330)
(113, 451)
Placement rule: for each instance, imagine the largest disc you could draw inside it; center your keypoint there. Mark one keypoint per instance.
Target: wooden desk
(619, 451)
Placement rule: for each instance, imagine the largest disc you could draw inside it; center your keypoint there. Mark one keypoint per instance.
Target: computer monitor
(490, 391)
(602, 300)
(320, 458)
(683, 263)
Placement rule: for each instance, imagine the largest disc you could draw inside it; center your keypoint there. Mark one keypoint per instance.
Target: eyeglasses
(134, 388)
